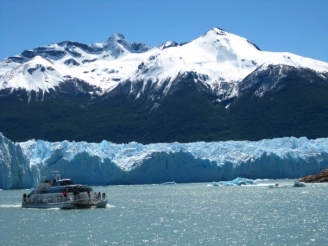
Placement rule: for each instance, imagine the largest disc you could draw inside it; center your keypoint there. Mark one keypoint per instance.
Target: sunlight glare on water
(180, 214)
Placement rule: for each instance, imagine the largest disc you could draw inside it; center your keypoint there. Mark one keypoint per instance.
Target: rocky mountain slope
(217, 87)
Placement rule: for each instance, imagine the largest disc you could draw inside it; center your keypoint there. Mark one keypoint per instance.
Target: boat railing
(79, 198)
(42, 187)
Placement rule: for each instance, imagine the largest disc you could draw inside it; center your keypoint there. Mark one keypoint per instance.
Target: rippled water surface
(181, 214)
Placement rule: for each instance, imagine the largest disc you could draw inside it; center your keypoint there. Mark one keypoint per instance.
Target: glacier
(26, 164)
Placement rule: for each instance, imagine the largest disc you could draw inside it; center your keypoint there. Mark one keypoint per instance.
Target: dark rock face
(318, 178)
(187, 111)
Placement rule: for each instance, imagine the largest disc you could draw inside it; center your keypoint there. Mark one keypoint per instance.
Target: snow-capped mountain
(216, 59)
(219, 86)
(46, 67)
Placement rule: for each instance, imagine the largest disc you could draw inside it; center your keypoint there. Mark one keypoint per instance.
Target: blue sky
(297, 26)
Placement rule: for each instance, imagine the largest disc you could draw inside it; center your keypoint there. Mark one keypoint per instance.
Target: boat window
(63, 182)
(66, 182)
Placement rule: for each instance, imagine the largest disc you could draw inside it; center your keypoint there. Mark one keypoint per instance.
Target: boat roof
(62, 182)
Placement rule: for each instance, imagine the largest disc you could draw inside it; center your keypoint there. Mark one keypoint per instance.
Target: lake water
(181, 214)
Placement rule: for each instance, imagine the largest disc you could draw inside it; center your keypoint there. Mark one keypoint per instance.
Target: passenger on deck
(75, 193)
(103, 196)
(65, 194)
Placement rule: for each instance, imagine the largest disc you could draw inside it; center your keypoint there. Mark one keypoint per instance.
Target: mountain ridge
(217, 87)
(216, 57)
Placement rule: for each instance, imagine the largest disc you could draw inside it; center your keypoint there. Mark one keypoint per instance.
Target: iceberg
(25, 164)
(236, 182)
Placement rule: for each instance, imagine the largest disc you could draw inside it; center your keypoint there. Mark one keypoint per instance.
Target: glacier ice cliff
(15, 170)
(25, 164)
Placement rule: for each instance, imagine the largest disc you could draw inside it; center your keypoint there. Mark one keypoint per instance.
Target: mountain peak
(36, 74)
(216, 57)
(115, 38)
(168, 44)
(218, 34)
(215, 31)
(120, 46)
(218, 31)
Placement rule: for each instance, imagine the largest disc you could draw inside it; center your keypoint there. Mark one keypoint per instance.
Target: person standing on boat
(75, 193)
(65, 195)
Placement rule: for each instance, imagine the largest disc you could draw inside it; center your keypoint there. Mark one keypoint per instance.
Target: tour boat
(63, 194)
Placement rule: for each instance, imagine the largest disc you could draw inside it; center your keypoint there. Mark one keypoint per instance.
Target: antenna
(55, 175)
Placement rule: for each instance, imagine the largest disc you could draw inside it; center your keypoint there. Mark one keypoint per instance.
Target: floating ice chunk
(236, 182)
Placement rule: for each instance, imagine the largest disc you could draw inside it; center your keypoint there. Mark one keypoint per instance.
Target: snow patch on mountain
(37, 73)
(221, 59)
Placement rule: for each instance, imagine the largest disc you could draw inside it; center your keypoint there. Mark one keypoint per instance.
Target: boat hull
(62, 205)
(66, 205)
(101, 204)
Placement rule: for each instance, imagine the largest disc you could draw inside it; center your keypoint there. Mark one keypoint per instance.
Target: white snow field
(216, 57)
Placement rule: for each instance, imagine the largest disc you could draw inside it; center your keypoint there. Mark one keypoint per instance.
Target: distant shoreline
(321, 177)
